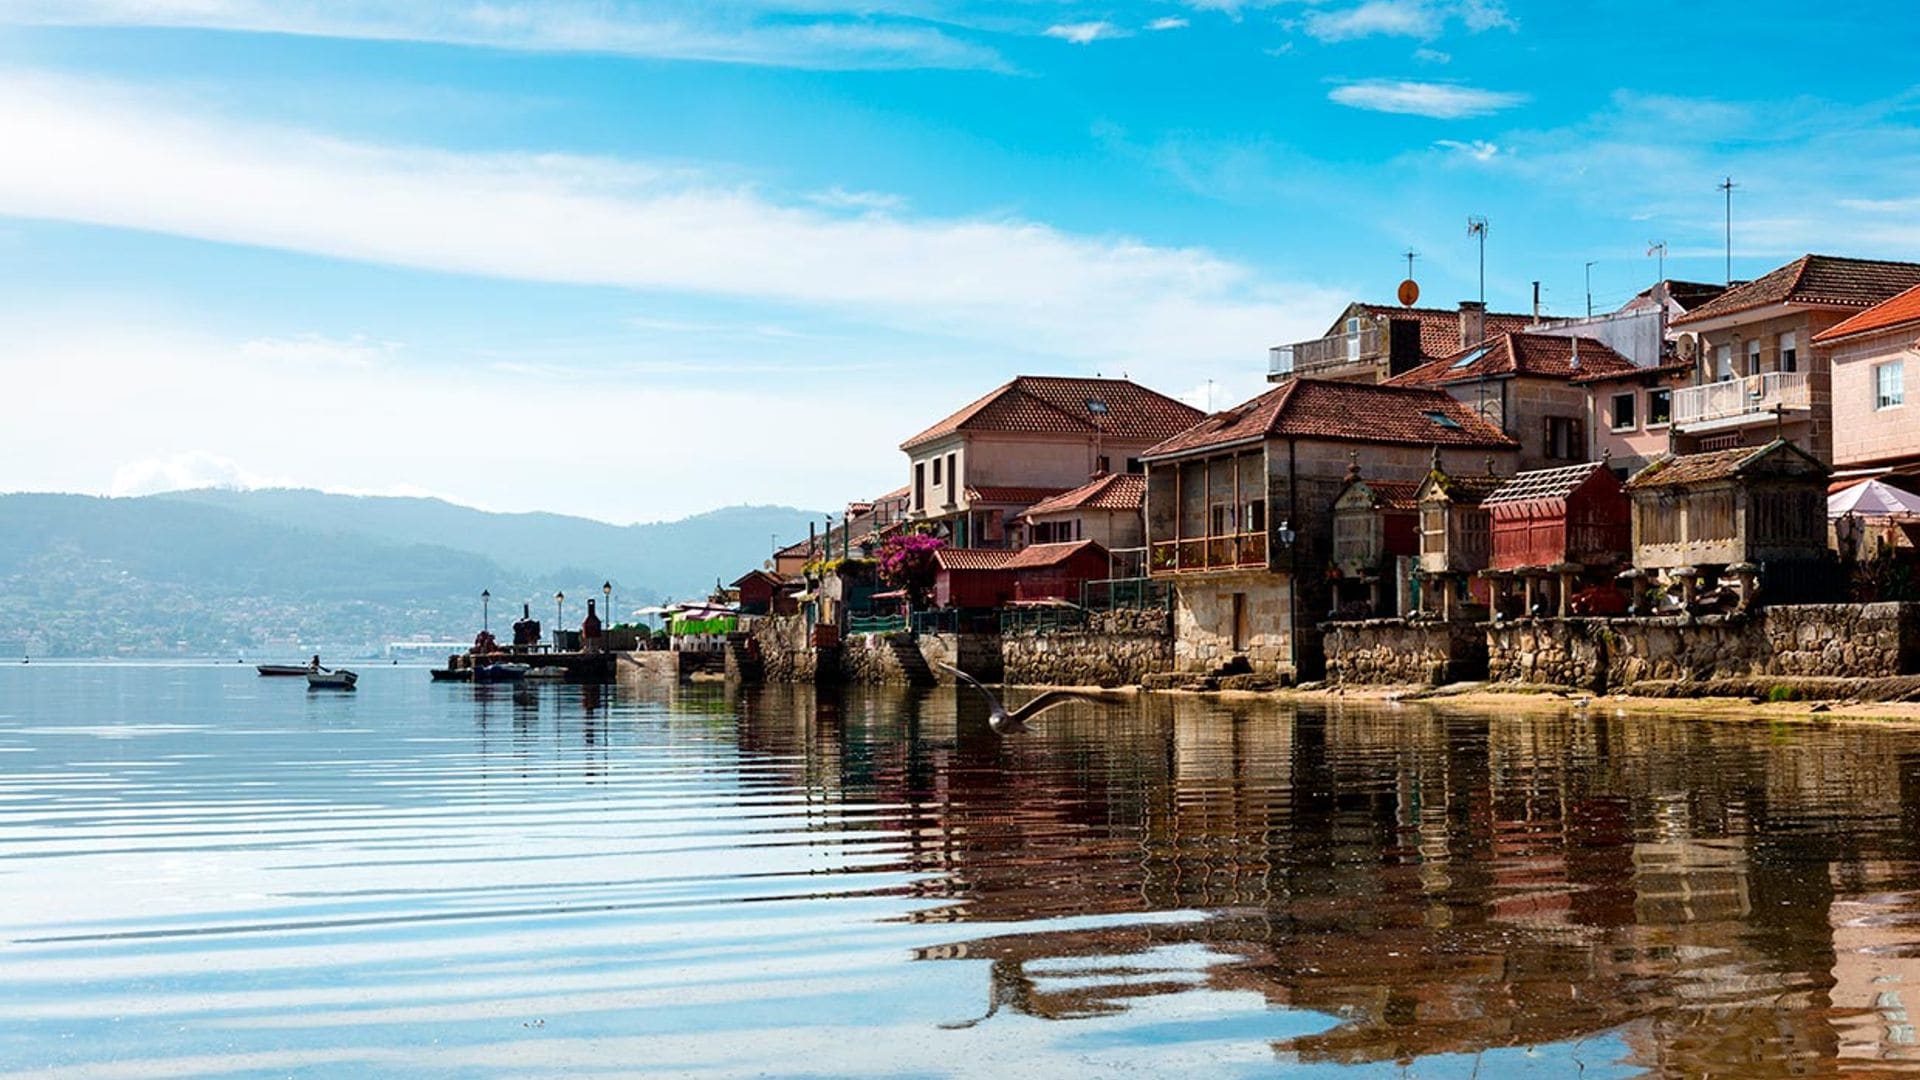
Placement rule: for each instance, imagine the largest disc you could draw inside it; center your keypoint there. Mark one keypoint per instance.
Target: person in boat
(314, 664)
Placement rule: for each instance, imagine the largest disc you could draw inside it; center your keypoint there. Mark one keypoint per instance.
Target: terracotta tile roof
(1900, 310)
(1349, 412)
(1471, 488)
(1681, 469)
(1440, 327)
(1020, 496)
(1115, 491)
(972, 558)
(1544, 356)
(1555, 483)
(1053, 405)
(1394, 494)
(1040, 556)
(760, 575)
(1667, 370)
(1820, 280)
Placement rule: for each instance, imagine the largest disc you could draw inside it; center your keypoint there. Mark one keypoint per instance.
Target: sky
(634, 261)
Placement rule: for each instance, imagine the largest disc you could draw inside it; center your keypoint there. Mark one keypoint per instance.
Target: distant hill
(220, 572)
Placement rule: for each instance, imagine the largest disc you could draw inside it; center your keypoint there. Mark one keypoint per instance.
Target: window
(919, 485)
(1103, 465)
(953, 477)
(1096, 406)
(1753, 357)
(936, 471)
(1789, 352)
(1135, 466)
(1722, 363)
(1221, 524)
(1255, 516)
(1889, 384)
(1659, 407)
(1563, 439)
(1468, 359)
(1442, 419)
(1623, 411)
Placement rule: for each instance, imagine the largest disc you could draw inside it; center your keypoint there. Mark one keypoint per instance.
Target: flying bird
(1012, 723)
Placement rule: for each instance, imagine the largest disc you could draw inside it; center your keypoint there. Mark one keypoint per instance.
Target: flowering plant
(906, 562)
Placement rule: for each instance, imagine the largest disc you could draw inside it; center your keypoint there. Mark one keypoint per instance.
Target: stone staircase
(906, 650)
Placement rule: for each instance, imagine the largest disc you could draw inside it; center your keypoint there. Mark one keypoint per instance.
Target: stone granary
(1752, 512)
(1376, 538)
(1455, 540)
(1552, 528)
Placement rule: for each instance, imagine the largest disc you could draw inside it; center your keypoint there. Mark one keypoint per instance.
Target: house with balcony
(1527, 385)
(1028, 440)
(1240, 508)
(1109, 510)
(1371, 343)
(1632, 413)
(1866, 355)
(1757, 375)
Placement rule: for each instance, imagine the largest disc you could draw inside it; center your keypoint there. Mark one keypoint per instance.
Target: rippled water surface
(205, 873)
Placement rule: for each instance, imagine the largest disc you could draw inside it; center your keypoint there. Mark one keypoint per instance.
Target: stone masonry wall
(1396, 651)
(785, 653)
(1117, 648)
(976, 654)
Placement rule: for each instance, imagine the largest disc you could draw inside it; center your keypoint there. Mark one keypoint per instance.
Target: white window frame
(1789, 352)
(1753, 357)
(1633, 406)
(1651, 422)
(1723, 363)
(1885, 396)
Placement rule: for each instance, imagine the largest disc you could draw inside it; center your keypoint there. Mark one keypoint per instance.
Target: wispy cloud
(840, 198)
(82, 154)
(1432, 56)
(1443, 101)
(1478, 149)
(1169, 22)
(1084, 33)
(1404, 18)
(818, 34)
(187, 471)
(315, 351)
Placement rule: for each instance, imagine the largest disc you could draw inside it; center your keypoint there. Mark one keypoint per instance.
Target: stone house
(1239, 508)
(1752, 510)
(975, 472)
(1525, 385)
(1376, 538)
(1757, 375)
(1108, 510)
(1866, 358)
(1371, 343)
(1456, 540)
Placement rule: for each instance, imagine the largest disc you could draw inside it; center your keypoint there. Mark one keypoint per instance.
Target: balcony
(1325, 355)
(1738, 402)
(1238, 551)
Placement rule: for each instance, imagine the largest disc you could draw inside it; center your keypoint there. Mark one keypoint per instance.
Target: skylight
(1096, 406)
(1443, 419)
(1468, 359)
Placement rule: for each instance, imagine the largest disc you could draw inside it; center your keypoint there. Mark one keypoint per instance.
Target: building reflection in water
(1729, 899)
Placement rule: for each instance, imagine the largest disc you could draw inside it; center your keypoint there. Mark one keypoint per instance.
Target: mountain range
(224, 572)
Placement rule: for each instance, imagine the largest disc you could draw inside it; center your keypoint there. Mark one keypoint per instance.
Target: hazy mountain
(220, 572)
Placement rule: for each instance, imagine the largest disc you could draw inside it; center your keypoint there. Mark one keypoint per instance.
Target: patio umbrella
(1872, 499)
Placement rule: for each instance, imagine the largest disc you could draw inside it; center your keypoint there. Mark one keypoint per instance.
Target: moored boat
(341, 679)
(284, 670)
(498, 673)
(442, 674)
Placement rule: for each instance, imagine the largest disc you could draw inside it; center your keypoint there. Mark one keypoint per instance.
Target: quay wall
(1400, 652)
(1114, 648)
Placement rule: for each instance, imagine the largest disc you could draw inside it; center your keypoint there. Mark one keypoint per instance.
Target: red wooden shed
(1056, 571)
(1572, 515)
(972, 578)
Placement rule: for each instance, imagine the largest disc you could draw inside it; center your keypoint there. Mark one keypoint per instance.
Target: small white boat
(341, 679)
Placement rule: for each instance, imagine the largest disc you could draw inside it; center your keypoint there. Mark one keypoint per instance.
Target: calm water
(206, 873)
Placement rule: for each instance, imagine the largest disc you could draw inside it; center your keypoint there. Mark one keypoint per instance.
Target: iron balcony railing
(1754, 396)
(1337, 350)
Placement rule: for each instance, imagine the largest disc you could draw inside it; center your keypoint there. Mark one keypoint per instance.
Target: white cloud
(186, 471)
(842, 199)
(1085, 33)
(1432, 56)
(1169, 22)
(1477, 149)
(1444, 101)
(319, 352)
(812, 35)
(79, 154)
(1398, 18)
(1482, 15)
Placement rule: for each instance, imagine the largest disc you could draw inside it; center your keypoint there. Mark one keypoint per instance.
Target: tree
(906, 563)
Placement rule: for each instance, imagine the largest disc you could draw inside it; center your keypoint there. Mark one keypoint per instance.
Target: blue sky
(636, 260)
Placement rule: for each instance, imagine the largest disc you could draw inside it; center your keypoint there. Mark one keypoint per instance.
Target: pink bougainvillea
(906, 562)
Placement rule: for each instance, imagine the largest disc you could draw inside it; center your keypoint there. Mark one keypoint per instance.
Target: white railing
(1755, 395)
(1307, 357)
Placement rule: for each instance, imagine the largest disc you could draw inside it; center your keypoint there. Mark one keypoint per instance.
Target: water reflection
(204, 875)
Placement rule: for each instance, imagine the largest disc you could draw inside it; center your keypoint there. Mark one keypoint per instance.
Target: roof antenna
(1477, 226)
(1659, 247)
(1727, 186)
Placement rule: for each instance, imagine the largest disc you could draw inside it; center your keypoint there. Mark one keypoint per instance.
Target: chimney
(1536, 303)
(1473, 322)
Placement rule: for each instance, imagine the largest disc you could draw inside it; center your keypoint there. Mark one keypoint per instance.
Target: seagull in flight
(1013, 723)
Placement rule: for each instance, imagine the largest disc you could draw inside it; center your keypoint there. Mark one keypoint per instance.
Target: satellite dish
(1409, 292)
(1687, 346)
(767, 565)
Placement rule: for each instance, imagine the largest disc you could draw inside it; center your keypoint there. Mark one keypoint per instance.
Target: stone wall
(1116, 648)
(1862, 641)
(1396, 651)
(785, 653)
(976, 654)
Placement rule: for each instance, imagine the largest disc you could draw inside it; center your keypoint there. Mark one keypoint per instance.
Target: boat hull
(331, 680)
(284, 671)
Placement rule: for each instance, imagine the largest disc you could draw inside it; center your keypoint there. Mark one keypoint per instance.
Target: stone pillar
(1747, 582)
(1689, 584)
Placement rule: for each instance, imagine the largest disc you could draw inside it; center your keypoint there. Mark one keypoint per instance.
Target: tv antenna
(1659, 247)
(1727, 186)
(1477, 226)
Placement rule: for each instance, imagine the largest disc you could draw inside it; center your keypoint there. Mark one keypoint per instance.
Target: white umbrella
(1871, 498)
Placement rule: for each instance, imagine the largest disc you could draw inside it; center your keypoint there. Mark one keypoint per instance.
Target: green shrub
(1783, 693)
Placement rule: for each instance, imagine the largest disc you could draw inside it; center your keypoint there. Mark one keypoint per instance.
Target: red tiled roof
(1021, 496)
(1900, 310)
(1820, 280)
(1676, 367)
(1440, 327)
(1545, 356)
(1349, 412)
(972, 558)
(1682, 469)
(1038, 556)
(1393, 494)
(1115, 491)
(1055, 405)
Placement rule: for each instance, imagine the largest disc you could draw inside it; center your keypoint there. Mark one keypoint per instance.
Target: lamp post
(486, 598)
(559, 614)
(606, 590)
(1286, 536)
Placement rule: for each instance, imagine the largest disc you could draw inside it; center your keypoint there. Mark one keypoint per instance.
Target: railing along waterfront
(1306, 357)
(875, 624)
(1751, 395)
(1135, 593)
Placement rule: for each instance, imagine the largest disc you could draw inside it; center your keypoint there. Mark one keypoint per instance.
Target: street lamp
(606, 590)
(486, 598)
(559, 614)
